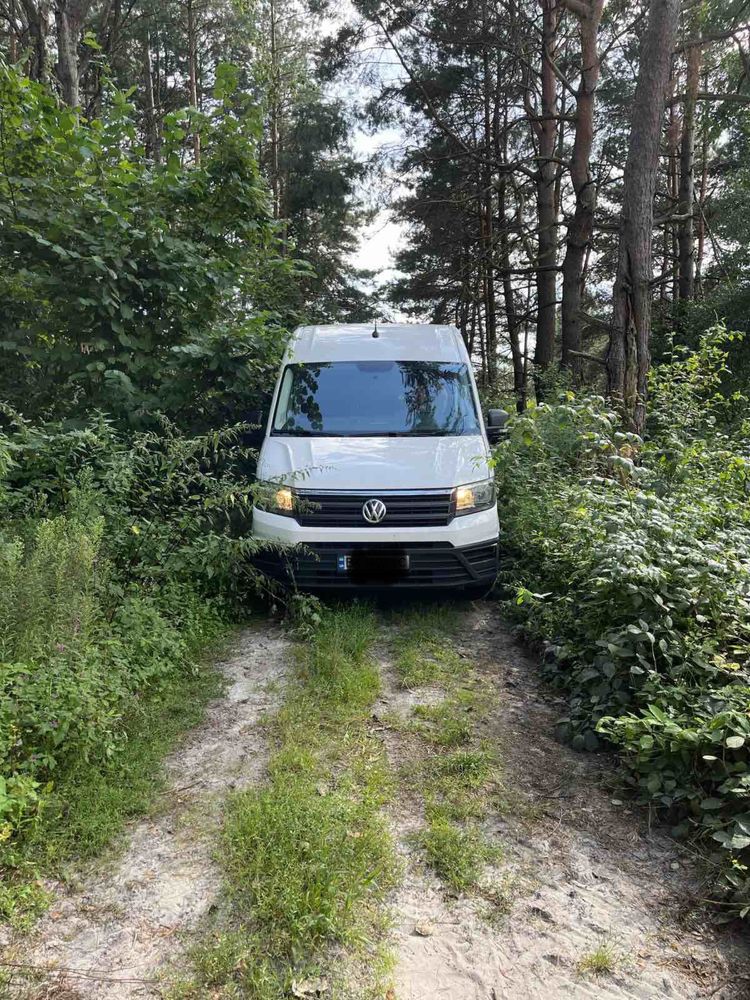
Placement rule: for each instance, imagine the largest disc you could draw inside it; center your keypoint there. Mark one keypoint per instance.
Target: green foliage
(114, 552)
(458, 854)
(177, 507)
(122, 280)
(71, 663)
(630, 561)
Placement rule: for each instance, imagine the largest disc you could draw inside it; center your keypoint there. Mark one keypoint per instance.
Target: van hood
(374, 463)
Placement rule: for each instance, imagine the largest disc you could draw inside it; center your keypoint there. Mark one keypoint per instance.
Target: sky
(378, 241)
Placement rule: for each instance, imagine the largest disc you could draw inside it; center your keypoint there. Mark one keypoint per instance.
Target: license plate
(372, 566)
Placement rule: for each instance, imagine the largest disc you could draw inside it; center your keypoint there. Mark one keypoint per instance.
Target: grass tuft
(603, 960)
(422, 652)
(469, 768)
(458, 854)
(448, 725)
(303, 864)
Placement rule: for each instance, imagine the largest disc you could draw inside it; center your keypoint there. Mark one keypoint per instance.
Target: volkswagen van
(375, 462)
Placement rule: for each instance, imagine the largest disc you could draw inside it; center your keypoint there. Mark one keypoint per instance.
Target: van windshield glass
(376, 398)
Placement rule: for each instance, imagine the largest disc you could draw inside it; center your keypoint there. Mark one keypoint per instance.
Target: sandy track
(125, 923)
(585, 870)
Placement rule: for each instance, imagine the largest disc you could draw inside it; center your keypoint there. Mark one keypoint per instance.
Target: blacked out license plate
(371, 566)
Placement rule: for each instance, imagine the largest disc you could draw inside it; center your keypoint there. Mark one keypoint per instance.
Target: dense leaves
(116, 274)
(631, 564)
(145, 308)
(120, 558)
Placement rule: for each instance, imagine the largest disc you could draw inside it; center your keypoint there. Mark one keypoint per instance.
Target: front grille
(403, 510)
(430, 564)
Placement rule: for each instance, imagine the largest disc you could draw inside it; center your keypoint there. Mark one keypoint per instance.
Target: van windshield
(376, 398)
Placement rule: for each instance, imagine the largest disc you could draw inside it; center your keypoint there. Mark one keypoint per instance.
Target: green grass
(450, 723)
(459, 783)
(469, 768)
(601, 961)
(458, 854)
(308, 858)
(423, 653)
(447, 724)
(91, 801)
(305, 864)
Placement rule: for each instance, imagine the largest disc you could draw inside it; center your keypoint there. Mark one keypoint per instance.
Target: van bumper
(462, 554)
(429, 565)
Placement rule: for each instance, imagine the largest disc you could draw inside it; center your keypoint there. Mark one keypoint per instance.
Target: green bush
(630, 563)
(114, 553)
(70, 665)
(130, 285)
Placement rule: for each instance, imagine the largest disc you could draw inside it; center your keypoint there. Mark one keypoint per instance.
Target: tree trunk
(151, 128)
(511, 313)
(581, 226)
(702, 195)
(546, 279)
(12, 33)
(274, 98)
(487, 211)
(674, 138)
(37, 18)
(686, 237)
(193, 76)
(69, 20)
(629, 357)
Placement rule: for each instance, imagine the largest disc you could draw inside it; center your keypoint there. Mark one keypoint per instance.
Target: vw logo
(373, 511)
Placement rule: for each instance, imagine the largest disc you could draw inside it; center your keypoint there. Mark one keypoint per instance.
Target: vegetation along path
(402, 825)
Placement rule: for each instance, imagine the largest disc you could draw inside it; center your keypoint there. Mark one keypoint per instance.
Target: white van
(375, 461)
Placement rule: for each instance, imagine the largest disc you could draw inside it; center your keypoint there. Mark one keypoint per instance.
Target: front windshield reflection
(376, 398)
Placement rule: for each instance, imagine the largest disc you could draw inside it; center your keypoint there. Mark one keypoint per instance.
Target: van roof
(395, 342)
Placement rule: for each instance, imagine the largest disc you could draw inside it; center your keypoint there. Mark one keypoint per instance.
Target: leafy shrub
(630, 562)
(112, 553)
(132, 285)
(70, 667)
(177, 506)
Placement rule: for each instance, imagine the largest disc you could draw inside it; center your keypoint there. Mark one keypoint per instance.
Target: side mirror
(255, 435)
(496, 425)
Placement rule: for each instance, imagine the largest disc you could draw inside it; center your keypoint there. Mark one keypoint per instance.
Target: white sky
(379, 241)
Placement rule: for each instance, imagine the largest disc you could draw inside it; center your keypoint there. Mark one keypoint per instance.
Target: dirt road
(110, 934)
(585, 876)
(578, 897)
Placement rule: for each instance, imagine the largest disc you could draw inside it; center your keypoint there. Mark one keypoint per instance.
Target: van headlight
(275, 498)
(473, 497)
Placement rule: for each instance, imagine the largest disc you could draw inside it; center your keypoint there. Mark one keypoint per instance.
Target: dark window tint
(374, 398)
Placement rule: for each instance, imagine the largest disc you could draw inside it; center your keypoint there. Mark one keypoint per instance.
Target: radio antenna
(375, 331)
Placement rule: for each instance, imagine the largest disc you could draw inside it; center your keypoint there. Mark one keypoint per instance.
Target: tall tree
(545, 125)
(629, 357)
(70, 17)
(686, 207)
(581, 227)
